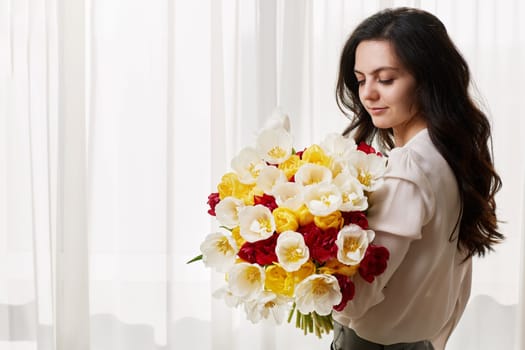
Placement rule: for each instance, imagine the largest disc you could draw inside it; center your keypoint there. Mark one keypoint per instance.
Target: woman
(406, 85)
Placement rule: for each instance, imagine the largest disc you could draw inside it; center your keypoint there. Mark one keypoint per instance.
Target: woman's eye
(360, 82)
(385, 81)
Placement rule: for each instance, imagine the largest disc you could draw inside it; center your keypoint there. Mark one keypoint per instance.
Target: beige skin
(387, 90)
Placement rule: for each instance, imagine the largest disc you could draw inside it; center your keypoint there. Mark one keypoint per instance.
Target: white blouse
(426, 286)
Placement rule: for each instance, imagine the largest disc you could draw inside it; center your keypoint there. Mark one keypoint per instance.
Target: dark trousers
(346, 339)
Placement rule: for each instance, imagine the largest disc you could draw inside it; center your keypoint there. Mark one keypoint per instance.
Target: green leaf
(197, 258)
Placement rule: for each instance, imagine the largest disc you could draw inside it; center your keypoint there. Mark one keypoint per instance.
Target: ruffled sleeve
(405, 203)
(397, 213)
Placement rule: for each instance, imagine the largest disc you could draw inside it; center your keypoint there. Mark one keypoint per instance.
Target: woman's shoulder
(418, 161)
(409, 180)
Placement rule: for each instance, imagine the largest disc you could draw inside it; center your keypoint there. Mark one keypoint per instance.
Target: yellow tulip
(334, 220)
(307, 269)
(334, 266)
(290, 166)
(231, 186)
(236, 234)
(315, 154)
(279, 281)
(304, 216)
(285, 220)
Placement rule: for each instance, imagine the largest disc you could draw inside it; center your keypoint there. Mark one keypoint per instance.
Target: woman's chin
(381, 123)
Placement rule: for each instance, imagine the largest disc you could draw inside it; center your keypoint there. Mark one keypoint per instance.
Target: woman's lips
(377, 110)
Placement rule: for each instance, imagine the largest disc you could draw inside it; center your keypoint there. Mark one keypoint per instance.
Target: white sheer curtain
(28, 184)
(117, 119)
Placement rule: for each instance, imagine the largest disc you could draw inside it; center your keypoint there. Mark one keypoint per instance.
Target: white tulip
(274, 145)
(226, 294)
(354, 198)
(256, 223)
(269, 176)
(319, 293)
(370, 169)
(246, 280)
(289, 195)
(277, 120)
(268, 303)
(291, 250)
(227, 211)
(312, 174)
(323, 199)
(247, 164)
(219, 251)
(341, 165)
(336, 144)
(352, 242)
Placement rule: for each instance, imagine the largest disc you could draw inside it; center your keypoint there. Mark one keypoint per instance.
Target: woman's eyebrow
(377, 70)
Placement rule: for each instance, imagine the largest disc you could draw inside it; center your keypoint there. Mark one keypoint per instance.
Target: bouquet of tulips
(293, 227)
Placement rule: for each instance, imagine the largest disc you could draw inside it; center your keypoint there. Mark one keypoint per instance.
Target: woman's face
(387, 90)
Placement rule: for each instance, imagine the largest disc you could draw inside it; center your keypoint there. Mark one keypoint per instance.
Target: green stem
(318, 323)
(310, 323)
(290, 315)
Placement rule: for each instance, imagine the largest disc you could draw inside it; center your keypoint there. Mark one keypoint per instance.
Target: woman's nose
(368, 91)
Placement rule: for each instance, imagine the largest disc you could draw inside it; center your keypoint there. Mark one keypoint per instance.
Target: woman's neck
(404, 133)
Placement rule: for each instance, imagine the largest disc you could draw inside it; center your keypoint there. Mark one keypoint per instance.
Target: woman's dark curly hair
(457, 127)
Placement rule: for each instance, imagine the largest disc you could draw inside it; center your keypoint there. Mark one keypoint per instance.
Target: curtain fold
(117, 120)
(39, 129)
(72, 279)
(171, 311)
(520, 314)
